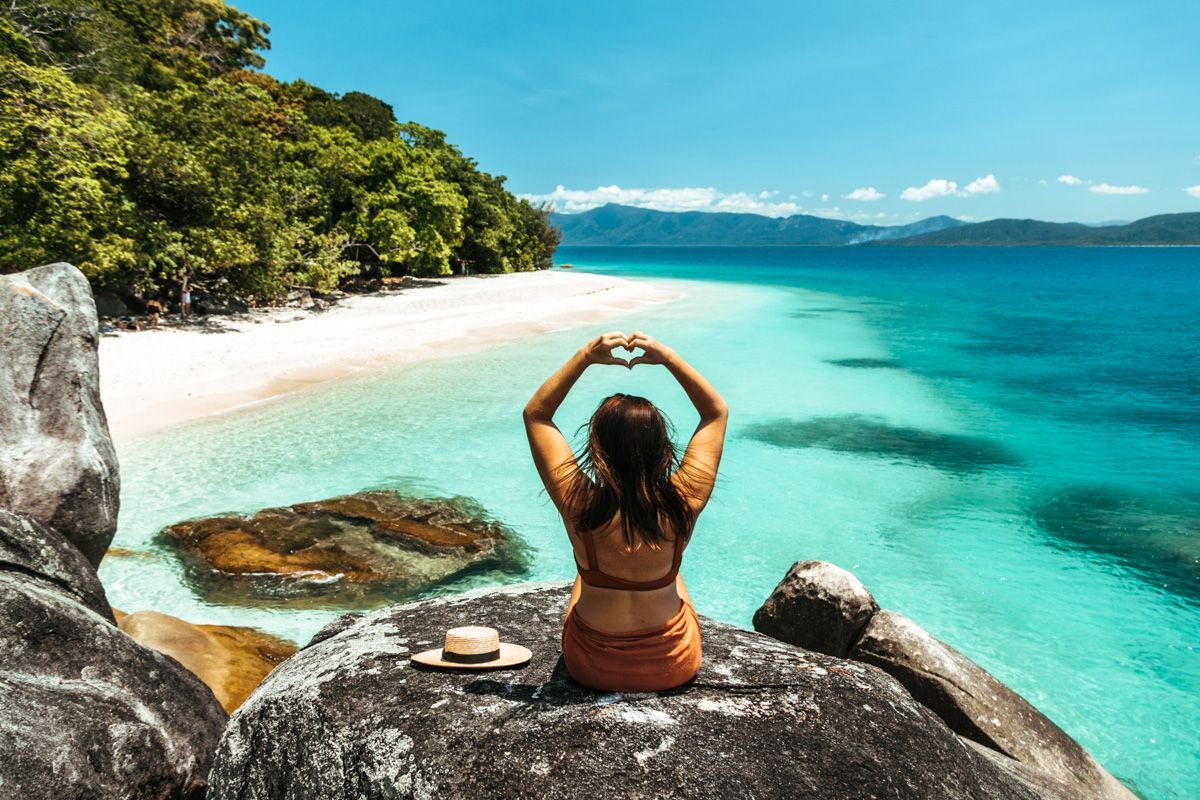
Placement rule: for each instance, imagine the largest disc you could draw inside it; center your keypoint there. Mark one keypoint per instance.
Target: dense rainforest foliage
(140, 141)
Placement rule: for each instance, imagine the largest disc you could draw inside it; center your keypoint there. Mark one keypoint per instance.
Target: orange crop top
(602, 580)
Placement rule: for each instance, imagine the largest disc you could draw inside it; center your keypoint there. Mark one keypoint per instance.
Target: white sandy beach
(155, 378)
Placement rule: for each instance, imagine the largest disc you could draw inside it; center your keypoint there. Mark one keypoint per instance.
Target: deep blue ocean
(1003, 444)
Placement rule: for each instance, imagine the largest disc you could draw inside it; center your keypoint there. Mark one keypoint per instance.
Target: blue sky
(1083, 111)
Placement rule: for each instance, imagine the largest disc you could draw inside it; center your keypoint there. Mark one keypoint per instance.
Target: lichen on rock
(350, 716)
(57, 462)
(87, 711)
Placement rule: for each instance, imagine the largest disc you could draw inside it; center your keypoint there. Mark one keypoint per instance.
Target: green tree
(140, 141)
(63, 156)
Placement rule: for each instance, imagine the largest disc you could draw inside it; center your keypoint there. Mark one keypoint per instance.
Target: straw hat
(474, 647)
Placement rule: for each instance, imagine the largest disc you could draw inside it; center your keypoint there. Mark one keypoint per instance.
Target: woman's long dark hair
(626, 467)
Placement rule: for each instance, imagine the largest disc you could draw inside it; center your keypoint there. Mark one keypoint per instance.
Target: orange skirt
(650, 660)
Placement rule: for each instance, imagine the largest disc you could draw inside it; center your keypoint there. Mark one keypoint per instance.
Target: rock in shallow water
(822, 607)
(230, 659)
(357, 551)
(57, 462)
(350, 717)
(85, 711)
(981, 708)
(817, 606)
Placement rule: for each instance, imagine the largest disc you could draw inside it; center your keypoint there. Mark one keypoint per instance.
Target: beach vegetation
(142, 142)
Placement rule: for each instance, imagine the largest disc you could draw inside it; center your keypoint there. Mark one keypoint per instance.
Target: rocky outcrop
(356, 551)
(231, 660)
(57, 462)
(981, 708)
(351, 717)
(87, 711)
(32, 553)
(817, 605)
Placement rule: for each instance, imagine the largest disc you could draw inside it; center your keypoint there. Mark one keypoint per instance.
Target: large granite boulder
(231, 660)
(350, 716)
(358, 551)
(57, 462)
(86, 710)
(817, 606)
(981, 708)
(34, 553)
(824, 608)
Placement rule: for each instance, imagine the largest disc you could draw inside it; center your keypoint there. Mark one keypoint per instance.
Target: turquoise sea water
(1002, 444)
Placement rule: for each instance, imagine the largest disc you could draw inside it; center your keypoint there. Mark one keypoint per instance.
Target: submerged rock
(87, 711)
(981, 708)
(356, 551)
(351, 717)
(57, 462)
(866, 435)
(865, 363)
(817, 606)
(1156, 536)
(231, 660)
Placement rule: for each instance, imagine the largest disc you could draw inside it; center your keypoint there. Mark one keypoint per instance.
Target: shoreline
(154, 379)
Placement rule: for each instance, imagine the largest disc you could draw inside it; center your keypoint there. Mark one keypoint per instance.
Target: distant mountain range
(614, 224)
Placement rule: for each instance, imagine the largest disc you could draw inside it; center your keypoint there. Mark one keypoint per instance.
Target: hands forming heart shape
(600, 350)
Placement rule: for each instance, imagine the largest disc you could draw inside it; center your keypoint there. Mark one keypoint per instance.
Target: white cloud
(825, 198)
(938, 187)
(1194, 191)
(866, 194)
(1069, 180)
(1042, 182)
(985, 185)
(571, 201)
(1106, 188)
(698, 199)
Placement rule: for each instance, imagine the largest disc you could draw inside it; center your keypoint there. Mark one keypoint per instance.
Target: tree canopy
(141, 141)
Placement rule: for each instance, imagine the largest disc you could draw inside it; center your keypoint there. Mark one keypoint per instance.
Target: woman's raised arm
(551, 452)
(698, 470)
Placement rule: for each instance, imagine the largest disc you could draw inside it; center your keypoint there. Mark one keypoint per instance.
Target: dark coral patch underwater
(1157, 536)
(865, 363)
(871, 436)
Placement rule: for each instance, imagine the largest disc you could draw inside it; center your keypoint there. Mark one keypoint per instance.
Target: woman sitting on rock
(629, 505)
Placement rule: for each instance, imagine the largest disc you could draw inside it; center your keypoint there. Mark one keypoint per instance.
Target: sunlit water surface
(1001, 444)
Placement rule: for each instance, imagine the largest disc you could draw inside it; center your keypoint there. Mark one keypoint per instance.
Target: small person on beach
(185, 298)
(154, 310)
(629, 505)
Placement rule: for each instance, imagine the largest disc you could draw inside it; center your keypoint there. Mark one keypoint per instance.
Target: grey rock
(30, 549)
(57, 462)
(206, 303)
(977, 706)
(87, 711)
(299, 298)
(110, 304)
(350, 716)
(817, 606)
